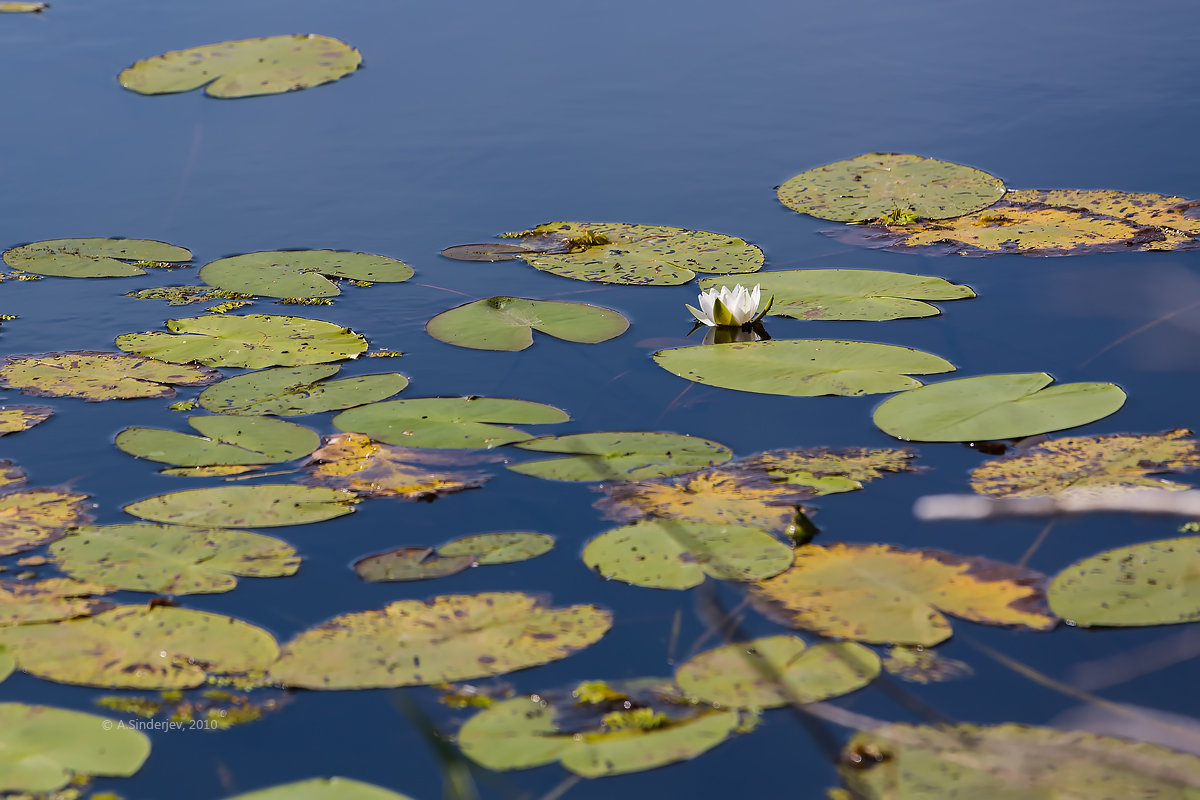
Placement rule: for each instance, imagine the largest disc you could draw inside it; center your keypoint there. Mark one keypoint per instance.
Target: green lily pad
(448, 638)
(225, 440)
(186, 295)
(92, 258)
(245, 68)
(1155, 583)
(507, 323)
(888, 186)
(621, 456)
(323, 789)
(499, 548)
(261, 506)
(852, 294)
(98, 376)
(14, 419)
(33, 517)
(448, 422)
(172, 559)
(294, 391)
(777, 671)
(410, 564)
(300, 273)
(995, 407)
(250, 340)
(803, 367)
(28, 602)
(139, 647)
(42, 748)
(8, 663)
(626, 727)
(672, 554)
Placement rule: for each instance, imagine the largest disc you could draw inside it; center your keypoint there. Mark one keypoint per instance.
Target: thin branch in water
(1033, 548)
(1121, 340)
(1125, 666)
(673, 640)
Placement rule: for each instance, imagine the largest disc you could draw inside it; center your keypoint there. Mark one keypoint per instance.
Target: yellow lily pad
(33, 517)
(24, 602)
(98, 376)
(354, 462)
(14, 419)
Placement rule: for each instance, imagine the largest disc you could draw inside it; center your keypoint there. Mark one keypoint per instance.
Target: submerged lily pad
(803, 367)
(878, 185)
(25, 602)
(32, 517)
(300, 273)
(246, 67)
(881, 594)
(777, 671)
(499, 548)
(670, 554)
(261, 506)
(410, 564)
(995, 407)
(225, 440)
(507, 323)
(448, 638)
(628, 726)
(43, 748)
(851, 294)
(629, 455)
(172, 559)
(448, 422)
(139, 647)
(924, 665)
(92, 258)
(98, 376)
(293, 391)
(369, 469)
(14, 419)
(323, 789)
(1155, 583)
(250, 340)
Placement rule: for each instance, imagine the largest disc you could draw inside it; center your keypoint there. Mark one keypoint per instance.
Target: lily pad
(1176, 217)
(630, 455)
(98, 376)
(670, 554)
(25, 602)
(186, 295)
(499, 548)
(92, 258)
(1115, 461)
(323, 789)
(633, 726)
(293, 391)
(878, 185)
(261, 506)
(803, 367)
(881, 594)
(33, 517)
(8, 663)
(410, 564)
(300, 273)
(995, 407)
(18, 7)
(245, 68)
(42, 748)
(488, 251)
(14, 419)
(448, 638)
(250, 340)
(924, 665)
(139, 647)
(826, 471)
(850, 294)
(507, 323)
(353, 462)
(776, 671)
(11, 475)
(450, 422)
(1155, 583)
(225, 440)
(172, 559)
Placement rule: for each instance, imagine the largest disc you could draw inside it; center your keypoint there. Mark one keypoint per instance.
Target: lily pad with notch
(507, 323)
(448, 422)
(620, 456)
(294, 391)
(300, 273)
(93, 258)
(224, 440)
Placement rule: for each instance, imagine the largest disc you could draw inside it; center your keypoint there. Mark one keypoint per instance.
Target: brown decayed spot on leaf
(372, 469)
(32, 517)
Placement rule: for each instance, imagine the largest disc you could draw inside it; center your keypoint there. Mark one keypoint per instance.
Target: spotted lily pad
(323, 789)
(11, 475)
(186, 295)
(24, 602)
(627, 455)
(823, 470)
(499, 548)
(776, 671)
(448, 638)
(507, 323)
(93, 258)
(245, 68)
(354, 462)
(261, 506)
(851, 294)
(33, 517)
(14, 419)
(250, 340)
(225, 440)
(293, 391)
(98, 376)
(670, 554)
(924, 665)
(171, 559)
(803, 367)
(1176, 217)
(300, 273)
(139, 647)
(410, 564)
(462, 422)
(42, 748)
(995, 407)
(888, 185)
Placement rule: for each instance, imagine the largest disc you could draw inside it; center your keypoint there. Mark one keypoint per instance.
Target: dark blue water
(472, 118)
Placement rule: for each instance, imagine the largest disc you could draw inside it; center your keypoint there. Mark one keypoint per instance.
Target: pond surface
(473, 118)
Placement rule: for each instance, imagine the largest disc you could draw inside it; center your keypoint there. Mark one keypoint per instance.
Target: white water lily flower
(725, 307)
